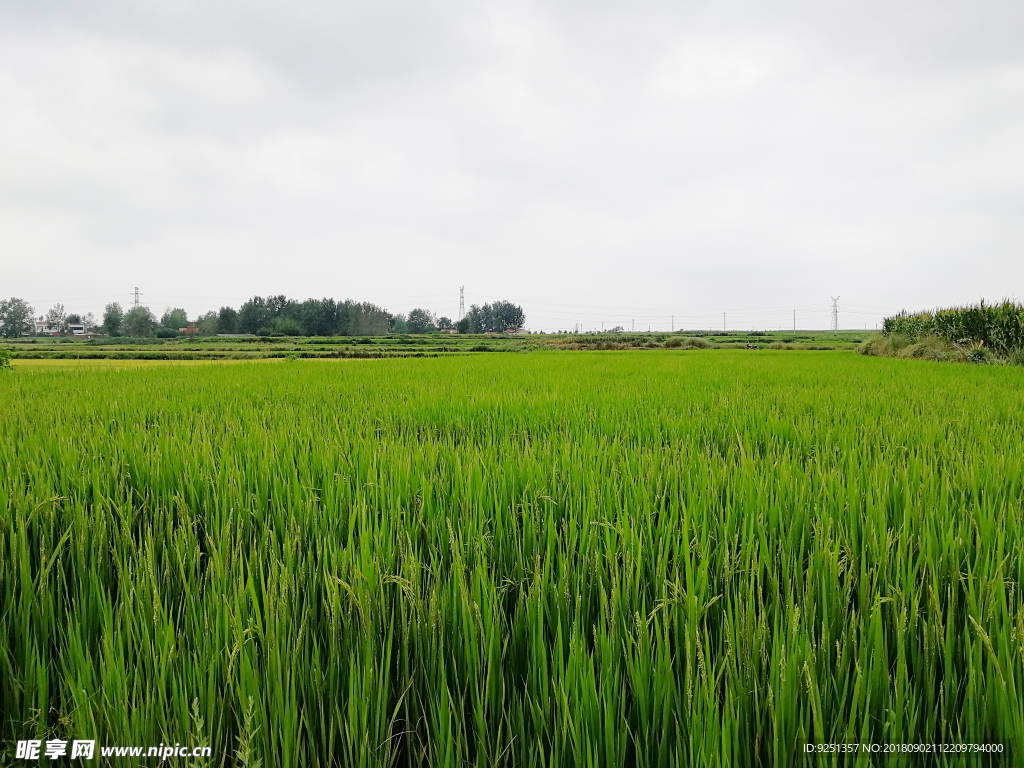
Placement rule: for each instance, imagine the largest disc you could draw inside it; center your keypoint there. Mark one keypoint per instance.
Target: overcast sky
(593, 161)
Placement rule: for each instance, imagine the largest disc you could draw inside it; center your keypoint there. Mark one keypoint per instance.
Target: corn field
(666, 558)
(999, 327)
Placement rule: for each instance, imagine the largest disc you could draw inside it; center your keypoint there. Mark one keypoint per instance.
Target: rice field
(659, 558)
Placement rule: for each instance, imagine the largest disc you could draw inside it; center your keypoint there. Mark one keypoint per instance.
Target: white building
(43, 328)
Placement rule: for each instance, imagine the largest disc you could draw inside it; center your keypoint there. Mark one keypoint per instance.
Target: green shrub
(932, 348)
(686, 342)
(884, 345)
(927, 347)
(5, 359)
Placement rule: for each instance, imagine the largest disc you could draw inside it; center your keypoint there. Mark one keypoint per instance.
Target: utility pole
(633, 327)
(723, 321)
(673, 323)
(835, 314)
(462, 301)
(794, 320)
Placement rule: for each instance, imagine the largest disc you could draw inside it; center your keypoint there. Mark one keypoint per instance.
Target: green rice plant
(536, 560)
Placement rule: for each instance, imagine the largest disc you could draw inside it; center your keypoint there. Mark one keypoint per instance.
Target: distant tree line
(264, 316)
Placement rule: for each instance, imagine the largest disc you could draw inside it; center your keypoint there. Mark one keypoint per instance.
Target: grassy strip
(384, 346)
(937, 349)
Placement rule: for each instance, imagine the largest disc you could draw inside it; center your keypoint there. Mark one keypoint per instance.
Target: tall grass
(999, 327)
(649, 560)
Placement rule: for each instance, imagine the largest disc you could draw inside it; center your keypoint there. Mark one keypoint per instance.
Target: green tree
(113, 319)
(318, 317)
(285, 326)
(174, 318)
(364, 319)
(279, 305)
(256, 315)
(139, 321)
(208, 323)
(16, 318)
(57, 319)
(227, 320)
(499, 316)
(421, 321)
(463, 326)
(445, 324)
(475, 320)
(506, 316)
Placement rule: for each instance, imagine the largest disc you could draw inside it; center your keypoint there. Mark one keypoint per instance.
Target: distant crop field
(665, 558)
(71, 363)
(152, 349)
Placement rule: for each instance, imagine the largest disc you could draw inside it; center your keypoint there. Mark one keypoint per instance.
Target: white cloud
(587, 160)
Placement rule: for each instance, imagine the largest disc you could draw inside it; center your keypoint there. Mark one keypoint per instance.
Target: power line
(664, 311)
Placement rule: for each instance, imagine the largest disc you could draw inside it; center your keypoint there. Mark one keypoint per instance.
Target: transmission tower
(462, 301)
(835, 314)
(137, 294)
